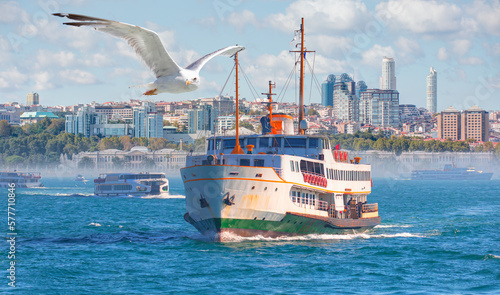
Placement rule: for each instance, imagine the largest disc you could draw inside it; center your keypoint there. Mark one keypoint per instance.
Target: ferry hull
(293, 224)
(256, 201)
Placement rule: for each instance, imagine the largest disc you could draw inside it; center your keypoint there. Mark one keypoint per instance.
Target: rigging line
(285, 87)
(315, 79)
(312, 75)
(249, 83)
(223, 87)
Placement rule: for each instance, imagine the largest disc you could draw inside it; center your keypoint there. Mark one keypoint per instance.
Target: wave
(94, 224)
(230, 237)
(165, 196)
(45, 194)
(392, 226)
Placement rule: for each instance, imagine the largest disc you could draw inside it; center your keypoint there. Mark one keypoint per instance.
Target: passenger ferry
(134, 184)
(21, 179)
(280, 184)
(450, 172)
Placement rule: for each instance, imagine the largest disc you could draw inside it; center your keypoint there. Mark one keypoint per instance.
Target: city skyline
(69, 65)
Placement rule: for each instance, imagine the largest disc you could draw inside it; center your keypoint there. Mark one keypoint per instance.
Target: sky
(68, 65)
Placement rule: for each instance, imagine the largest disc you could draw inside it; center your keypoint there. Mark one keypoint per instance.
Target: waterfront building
(345, 101)
(147, 121)
(34, 117)
(408, 112)
(32, 99)
(225, 123)
(83, 121)
(470, 124)
(203, 118)
(133, 160)
(379, 108)
(388, 78)
(449, 124)
(475, 124)
(116, 112)
(327, 91)
(432, 91)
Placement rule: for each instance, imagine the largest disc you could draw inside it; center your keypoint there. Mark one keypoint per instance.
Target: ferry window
(210, 144)
(264, 142)
(252, 141)
(229, 143)
(306, 199)
(313, 142)
(303, 165)
(292, 166)
(277, 141)
(244, 162)
(295, 142)
(297, 166)
(218, 144)
(258, 163)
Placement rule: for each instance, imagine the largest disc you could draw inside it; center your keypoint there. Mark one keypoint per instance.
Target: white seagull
(170, 77)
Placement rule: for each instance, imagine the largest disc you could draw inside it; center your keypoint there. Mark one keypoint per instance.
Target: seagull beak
(188, 82)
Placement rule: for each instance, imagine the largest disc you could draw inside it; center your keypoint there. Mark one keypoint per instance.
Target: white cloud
(373, 56)
(42, 81)
(11, 12)
(12, 79)
(461, 47)
(423, 17)
(242, 19)
(47, 58)
(487, 14)
(78, 77)
(409, 48)
(443, 54)
(330, 45)
(471, 61)
(322, 15)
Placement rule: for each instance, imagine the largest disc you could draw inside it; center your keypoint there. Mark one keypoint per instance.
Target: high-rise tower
(32, 99)
(388, 78)
(432, 91)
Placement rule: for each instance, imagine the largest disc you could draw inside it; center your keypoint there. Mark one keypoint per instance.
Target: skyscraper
(32, 99)
(379, 108)
(147, 122)
(432, 91)
(345, 101)
(327, 91)
(388, 78)
(360, 87)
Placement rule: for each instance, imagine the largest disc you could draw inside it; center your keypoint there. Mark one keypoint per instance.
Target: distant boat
(135, 184)
(80, 177)
(21, 179)
(450, 172)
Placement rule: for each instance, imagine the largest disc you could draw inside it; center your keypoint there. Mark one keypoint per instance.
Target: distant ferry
(450, 172)
(80, 177)
(135, 184)
(21, 179)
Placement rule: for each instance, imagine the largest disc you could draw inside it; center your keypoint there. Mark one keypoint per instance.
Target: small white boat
(21, 179)
(134, 184)
(80, 177)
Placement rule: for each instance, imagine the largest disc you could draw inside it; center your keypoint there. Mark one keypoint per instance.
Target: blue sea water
(435, 238)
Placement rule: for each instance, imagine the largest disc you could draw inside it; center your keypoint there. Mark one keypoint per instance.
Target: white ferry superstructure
(134, 184)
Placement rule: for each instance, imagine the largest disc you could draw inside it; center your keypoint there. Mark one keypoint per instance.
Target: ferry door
(339, 205)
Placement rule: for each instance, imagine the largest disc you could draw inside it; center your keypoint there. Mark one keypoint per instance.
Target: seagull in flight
(170, 77)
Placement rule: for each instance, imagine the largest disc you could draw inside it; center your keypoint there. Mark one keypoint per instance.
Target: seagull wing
(146, 43)
(228, 51)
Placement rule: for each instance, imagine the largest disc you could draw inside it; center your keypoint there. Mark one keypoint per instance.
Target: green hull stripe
(290, 225)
